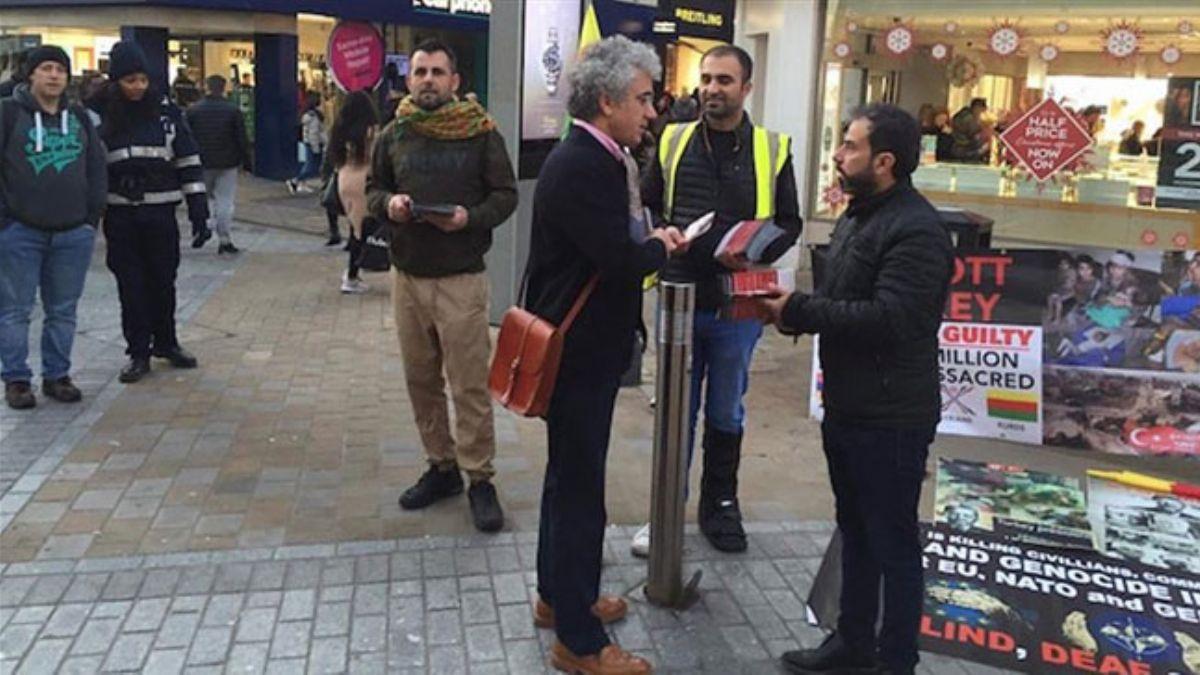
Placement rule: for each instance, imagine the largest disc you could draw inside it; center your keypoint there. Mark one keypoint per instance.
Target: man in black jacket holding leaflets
(877, 310)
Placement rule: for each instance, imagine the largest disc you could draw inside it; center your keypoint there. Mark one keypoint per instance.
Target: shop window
(937, 57)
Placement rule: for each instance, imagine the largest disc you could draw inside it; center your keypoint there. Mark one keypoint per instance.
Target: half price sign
(1046, 139)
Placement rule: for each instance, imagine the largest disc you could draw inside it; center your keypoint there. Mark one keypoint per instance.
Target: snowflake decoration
(939, 51)
(1004, 39)
(1170, 55)
(1122, 40)
(1184, 26)
(851, 26)
(899, 40)
(1048, 52)
(951, 27)
(1062, 27)
(841, 50)
(833, 196)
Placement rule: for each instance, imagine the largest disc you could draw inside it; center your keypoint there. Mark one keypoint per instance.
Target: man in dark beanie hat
(153, 165)
(52, 192)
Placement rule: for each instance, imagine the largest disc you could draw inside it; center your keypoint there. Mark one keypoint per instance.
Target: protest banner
(1088, 348)
(1044, 610)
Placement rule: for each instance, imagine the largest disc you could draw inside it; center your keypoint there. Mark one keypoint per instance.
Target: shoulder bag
(528, 353)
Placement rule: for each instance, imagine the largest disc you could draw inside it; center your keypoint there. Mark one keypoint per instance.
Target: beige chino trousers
(443, 327)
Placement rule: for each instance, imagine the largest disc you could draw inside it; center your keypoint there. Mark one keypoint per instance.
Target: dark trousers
(571, 529)
(354, 246)
(331, 217)
(143, 253)
(876, 476)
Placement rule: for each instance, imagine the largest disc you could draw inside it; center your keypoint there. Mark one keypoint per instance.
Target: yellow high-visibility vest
(770, 153)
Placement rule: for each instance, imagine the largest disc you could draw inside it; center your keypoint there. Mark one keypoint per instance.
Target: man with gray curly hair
(591, 242)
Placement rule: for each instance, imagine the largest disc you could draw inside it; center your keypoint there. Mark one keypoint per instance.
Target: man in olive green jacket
(441, 176)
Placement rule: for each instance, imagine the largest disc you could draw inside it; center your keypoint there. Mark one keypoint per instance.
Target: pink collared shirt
(604, 139)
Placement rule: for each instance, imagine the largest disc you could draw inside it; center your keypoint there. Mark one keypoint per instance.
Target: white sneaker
(641, 542)
(354, 286)
(291, 185)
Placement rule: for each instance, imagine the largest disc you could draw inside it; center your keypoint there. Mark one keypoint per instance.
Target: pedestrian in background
(153, 165)
(17, 65)
(590, 235)
(312, 130)
(877, 310)
(52, 192)
(220, 133)
(441, 175)
(350, 145)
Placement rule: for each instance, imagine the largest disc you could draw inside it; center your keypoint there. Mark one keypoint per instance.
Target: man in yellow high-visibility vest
(725, 164)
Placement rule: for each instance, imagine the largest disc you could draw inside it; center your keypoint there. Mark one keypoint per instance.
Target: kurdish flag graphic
(1012, 405)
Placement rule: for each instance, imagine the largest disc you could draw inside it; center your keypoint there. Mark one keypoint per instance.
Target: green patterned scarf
(456, 120)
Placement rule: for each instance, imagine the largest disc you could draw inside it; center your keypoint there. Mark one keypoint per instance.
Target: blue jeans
(876, 478)
(57, 263)
(721, 353)
(312, 164)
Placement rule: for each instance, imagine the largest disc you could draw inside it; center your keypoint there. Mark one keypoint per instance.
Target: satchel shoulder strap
(579, 302)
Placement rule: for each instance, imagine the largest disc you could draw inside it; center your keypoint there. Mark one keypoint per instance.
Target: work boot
(62, 389)
(178, 356)
(485, 508)
(719, 515)
(612, 660)
(19, 395)
(608, 608)
(136, 369)
(832, 655)
(434, 485)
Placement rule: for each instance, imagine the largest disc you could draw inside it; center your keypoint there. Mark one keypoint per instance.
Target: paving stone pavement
(241, 518)
(416, 605)
(297, 426)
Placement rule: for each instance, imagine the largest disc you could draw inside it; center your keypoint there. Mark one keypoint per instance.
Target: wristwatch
(552, 63)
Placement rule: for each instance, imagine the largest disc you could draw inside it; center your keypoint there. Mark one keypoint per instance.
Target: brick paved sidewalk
(418, 605)
(241, 517)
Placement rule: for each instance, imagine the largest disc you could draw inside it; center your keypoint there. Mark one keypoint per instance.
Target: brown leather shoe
(612, 660)
(608, 608)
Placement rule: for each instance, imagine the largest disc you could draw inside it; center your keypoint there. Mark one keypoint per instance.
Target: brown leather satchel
(528, 352)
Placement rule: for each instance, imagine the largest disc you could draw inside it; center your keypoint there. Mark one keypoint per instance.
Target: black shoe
(136, 369)
(228, 249)
(178, 356)
(200, 237)
(334, 240)
(721, 524)
(62, 390)
(485, 508)
(434, 485)
(832, 655)
(19, 395)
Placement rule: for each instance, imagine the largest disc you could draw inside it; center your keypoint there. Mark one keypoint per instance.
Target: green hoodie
(53, 172)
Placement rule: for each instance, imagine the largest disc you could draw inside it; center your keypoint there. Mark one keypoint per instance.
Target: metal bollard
(673, 391)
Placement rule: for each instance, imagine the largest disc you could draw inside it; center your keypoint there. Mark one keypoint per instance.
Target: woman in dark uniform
(153, 165)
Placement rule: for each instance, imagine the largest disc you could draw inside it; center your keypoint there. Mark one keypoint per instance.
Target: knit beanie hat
(39, 55)
(126, 58)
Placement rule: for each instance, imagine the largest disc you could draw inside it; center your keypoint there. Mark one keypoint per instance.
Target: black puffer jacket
(878, 308)
(220, 133)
